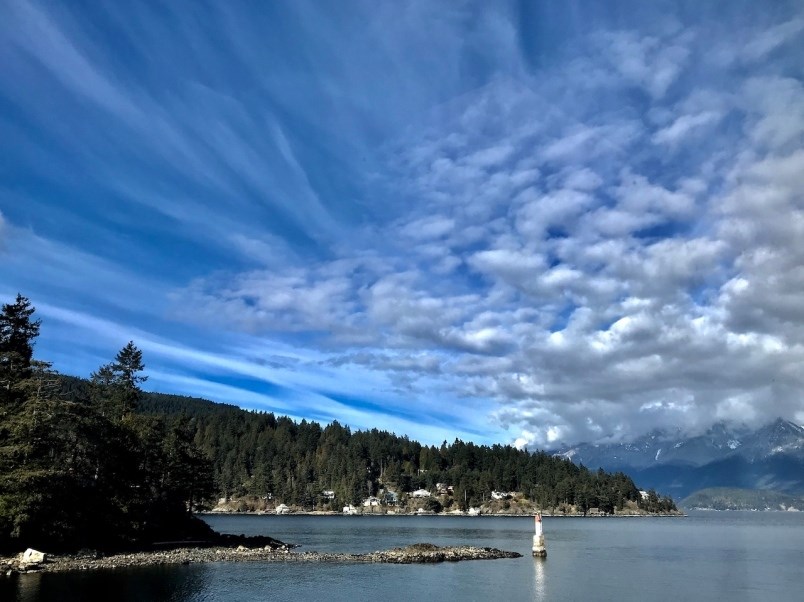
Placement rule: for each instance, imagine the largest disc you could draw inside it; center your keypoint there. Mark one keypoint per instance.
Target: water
(706, 556)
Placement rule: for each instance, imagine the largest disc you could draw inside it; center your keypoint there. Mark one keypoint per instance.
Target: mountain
(770, 457)
(727, 498)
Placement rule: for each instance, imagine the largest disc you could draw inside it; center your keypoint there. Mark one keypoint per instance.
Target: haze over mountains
(769, 457)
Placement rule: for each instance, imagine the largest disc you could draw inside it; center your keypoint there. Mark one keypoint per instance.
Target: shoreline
(414, 554)
(442, 514)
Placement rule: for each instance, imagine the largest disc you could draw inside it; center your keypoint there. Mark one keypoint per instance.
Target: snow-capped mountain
(769, 457)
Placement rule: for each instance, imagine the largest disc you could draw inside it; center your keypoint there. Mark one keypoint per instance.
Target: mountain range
(770, 457)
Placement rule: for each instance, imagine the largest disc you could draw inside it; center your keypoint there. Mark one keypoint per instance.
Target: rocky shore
(417, 553)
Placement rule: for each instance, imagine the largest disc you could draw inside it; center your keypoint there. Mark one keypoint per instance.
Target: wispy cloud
(445, 220)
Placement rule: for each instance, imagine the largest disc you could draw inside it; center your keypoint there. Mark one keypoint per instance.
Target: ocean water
(705, 556)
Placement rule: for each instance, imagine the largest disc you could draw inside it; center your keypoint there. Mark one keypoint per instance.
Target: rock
(429, 553)
(31, 556)
(417, 553)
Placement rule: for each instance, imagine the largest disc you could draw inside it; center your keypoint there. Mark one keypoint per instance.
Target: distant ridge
(725, 498)
(770, 457)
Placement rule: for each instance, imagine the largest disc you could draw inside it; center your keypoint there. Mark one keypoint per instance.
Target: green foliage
(116, 386)
(654, 503)
(17, 335)
(728, 498)
(77, 467)
(256, 454)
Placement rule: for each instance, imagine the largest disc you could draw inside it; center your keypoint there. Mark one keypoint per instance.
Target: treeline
(732, 498)
(98, 462)
(86, 469)
(259, 454)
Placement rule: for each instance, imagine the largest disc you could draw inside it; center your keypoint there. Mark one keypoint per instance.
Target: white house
(419, 493)
(328, 494)
(349, 509)
(499, 495)
(371, 501)
(282, 509)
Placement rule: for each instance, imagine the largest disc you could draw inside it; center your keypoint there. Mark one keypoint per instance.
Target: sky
(533, 223)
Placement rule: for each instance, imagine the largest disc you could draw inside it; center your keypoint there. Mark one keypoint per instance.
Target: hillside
(260, 460)
(727, 498)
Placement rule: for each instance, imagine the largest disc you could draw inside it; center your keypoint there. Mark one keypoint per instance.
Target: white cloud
(650, 62)
(683, 126)
(581, 246)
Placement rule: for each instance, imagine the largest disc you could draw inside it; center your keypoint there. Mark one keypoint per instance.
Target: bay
(705, 556)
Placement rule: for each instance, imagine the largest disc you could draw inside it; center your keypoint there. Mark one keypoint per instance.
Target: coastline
(442, 514)
(414, 554)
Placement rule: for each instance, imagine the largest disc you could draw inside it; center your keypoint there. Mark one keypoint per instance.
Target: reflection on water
(721, 556)
(539, 578)
(175, 583)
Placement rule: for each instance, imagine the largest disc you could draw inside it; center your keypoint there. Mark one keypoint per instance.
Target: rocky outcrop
(418, 553)
(426, 552)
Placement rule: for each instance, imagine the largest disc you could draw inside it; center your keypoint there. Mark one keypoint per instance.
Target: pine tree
(116, 386)
(18, 333)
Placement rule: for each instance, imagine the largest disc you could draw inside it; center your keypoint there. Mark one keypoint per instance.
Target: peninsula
(421, 553)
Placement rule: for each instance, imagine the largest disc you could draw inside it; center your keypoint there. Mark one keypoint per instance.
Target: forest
(259, 454)
(98, 462)
(88, 470)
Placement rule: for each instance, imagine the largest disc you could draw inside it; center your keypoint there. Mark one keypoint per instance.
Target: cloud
(395, 214)
(649, 62)
(683, 126)
(769, 40)
(3, 229)
(608, 297)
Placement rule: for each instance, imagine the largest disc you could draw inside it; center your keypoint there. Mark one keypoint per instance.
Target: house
(474, 512)
(371, 502)
(420, 493)
(444, 489)
(643, 494)
(500, 495)
(328, 494)
(391, 498)
(350, 510)
(282, 509)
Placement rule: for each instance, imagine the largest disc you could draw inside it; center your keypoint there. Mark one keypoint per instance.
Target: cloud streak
(446, 221)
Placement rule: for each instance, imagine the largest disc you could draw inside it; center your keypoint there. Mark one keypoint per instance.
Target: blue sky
(532, 222)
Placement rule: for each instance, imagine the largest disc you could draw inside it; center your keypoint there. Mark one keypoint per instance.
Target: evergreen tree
(18, 333)
(77, 466)
(116, 386)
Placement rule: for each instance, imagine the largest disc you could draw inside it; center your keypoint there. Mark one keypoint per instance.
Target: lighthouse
(539, 550)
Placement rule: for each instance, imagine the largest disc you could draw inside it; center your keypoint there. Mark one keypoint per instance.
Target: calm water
(706, 556)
